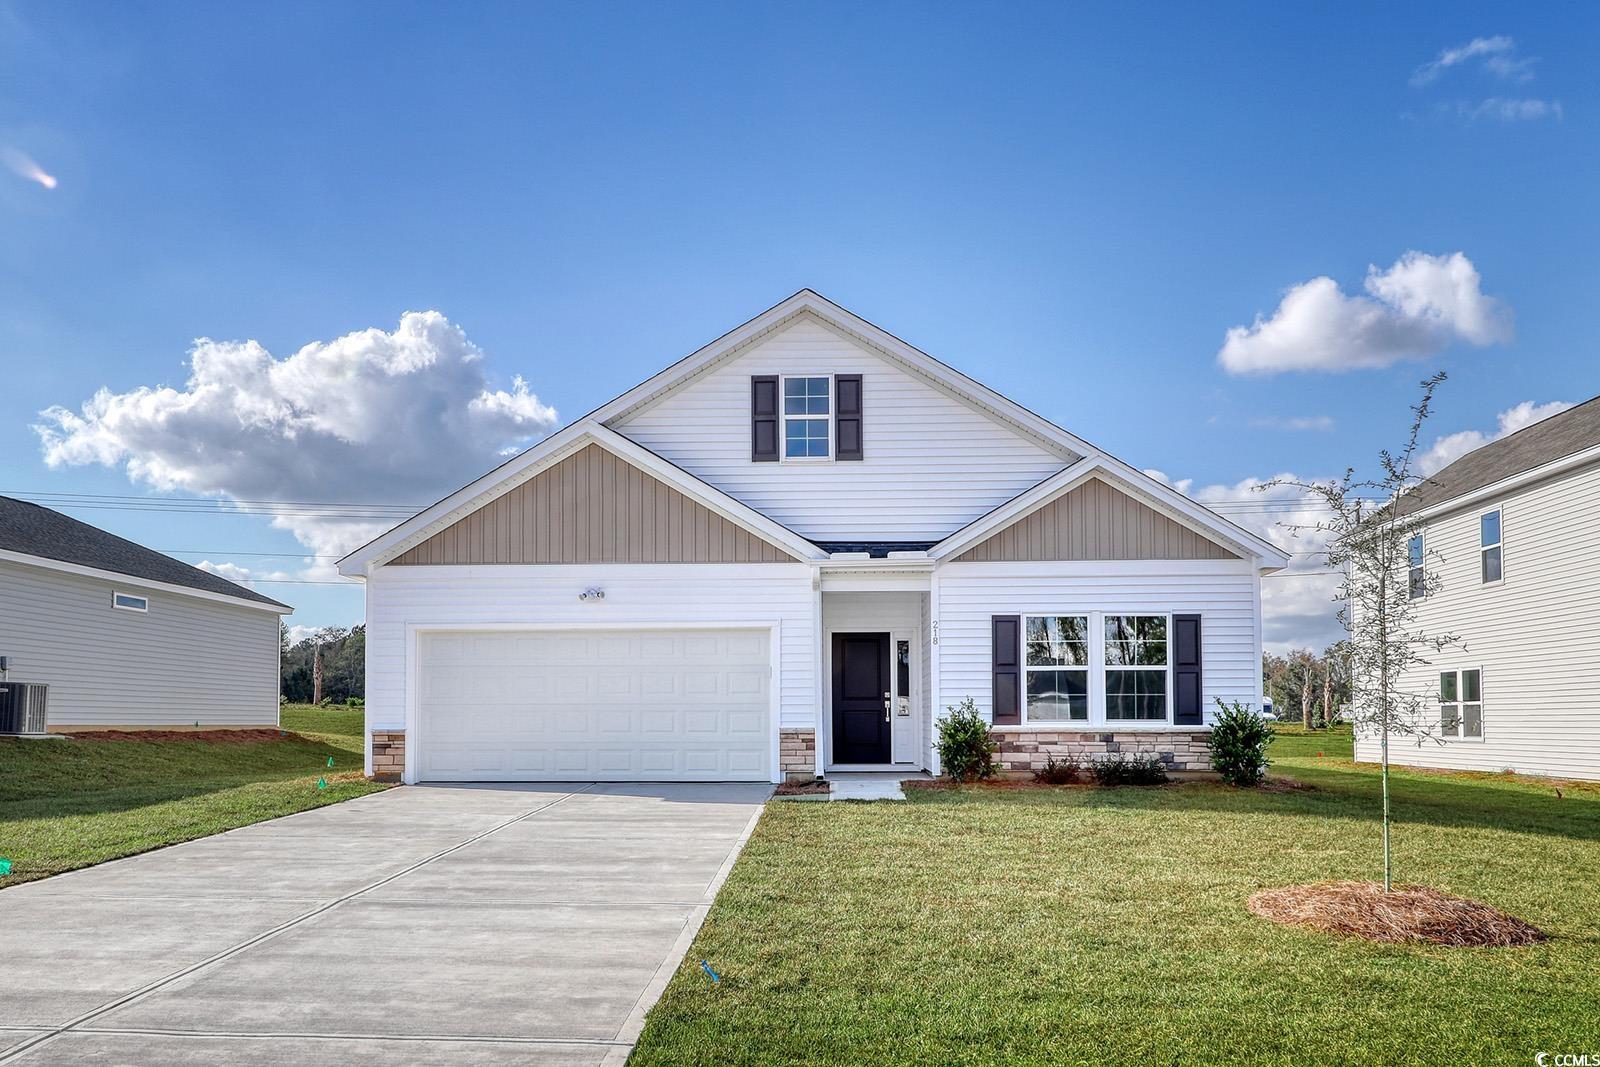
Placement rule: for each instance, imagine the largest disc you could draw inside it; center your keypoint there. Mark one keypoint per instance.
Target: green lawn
(1109, 926)
(67, 804)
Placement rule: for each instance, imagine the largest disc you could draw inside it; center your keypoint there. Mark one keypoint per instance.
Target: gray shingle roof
(38, 531)
(1544, 442)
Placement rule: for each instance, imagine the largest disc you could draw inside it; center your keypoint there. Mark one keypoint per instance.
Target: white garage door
(612, 705)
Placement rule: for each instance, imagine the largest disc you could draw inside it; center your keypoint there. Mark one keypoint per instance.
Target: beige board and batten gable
(1094, 521)
(592, 507)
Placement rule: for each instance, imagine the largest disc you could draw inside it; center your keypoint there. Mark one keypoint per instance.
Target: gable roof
(595, 426)
(546, 454)
(1159, 496)
(29, 530)
(882, 343)
(1548, 441)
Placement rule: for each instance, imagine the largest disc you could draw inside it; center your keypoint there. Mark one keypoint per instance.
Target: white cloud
(1412, 310)
(1498, 56)
(1451, 447)
(1507, 109)
(1294, 422)
(372, 417)
(299, 633)
(1297, 604)
(243, 575)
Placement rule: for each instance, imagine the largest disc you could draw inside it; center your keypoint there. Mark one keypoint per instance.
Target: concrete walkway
(427, 924)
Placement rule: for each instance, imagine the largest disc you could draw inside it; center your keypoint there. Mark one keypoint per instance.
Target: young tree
(1370, 528)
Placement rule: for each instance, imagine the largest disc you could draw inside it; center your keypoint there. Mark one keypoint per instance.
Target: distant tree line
(1307, 685)
(343, 654)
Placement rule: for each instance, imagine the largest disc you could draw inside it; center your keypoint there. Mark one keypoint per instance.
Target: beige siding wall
(593, 507)
(1094, 521)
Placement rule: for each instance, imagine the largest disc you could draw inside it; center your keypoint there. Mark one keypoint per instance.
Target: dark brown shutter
(1007, 667)
(847, 416)
(1187, 709)
(764, 418)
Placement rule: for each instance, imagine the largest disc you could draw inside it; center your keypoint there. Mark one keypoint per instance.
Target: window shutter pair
(1006, 670)
(766, 419)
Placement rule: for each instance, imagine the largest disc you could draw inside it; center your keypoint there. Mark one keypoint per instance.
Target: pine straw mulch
(216, 737)
(1405, 915)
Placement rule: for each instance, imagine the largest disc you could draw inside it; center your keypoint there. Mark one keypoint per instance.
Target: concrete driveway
(427, 924)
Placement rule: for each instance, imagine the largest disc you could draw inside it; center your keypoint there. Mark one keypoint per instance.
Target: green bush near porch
(1072, 925)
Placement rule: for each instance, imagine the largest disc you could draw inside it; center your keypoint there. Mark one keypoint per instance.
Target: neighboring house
(1511, 532)
(127, 637)
(786, 554)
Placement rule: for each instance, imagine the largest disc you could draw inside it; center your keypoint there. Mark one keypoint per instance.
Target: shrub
(1059, 772)
(355, 702)
(1239, 739)
(1121, 769)
(966, 751)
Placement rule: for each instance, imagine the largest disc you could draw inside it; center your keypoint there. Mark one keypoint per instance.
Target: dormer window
(807, 418)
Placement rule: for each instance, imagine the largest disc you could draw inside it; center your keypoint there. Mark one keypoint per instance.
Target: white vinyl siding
(1535, 634)
(1222, 592)
(932, 462)
(180, 661)
(636, 594)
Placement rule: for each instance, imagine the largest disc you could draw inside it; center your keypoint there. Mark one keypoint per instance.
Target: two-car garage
(653, 704)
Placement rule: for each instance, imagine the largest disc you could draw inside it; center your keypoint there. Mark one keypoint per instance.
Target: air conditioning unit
(22, 707)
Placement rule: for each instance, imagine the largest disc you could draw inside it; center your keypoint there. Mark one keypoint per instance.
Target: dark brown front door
(860, 691)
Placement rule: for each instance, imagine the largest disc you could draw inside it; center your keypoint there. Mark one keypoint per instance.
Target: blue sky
(1074, 205)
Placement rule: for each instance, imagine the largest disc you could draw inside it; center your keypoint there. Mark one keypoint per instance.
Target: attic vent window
(807, 418)
(129, 602)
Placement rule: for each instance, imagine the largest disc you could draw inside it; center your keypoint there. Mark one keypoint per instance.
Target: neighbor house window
(1489, 546)
(129, 602)
(1461, 704)
(807, 418)
(1418, 578)
(1057, 664)
(1136, 667)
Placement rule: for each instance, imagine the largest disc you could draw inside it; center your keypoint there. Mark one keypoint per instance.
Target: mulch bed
(1407, 914)
(215, 737)
(803, 789)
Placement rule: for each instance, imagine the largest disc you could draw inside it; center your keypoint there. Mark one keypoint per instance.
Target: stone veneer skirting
(797, 754)
(1025, 748)
(388, 755)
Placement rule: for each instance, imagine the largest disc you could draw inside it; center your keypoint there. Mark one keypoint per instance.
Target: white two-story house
(1511, 535)
(786, 554)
